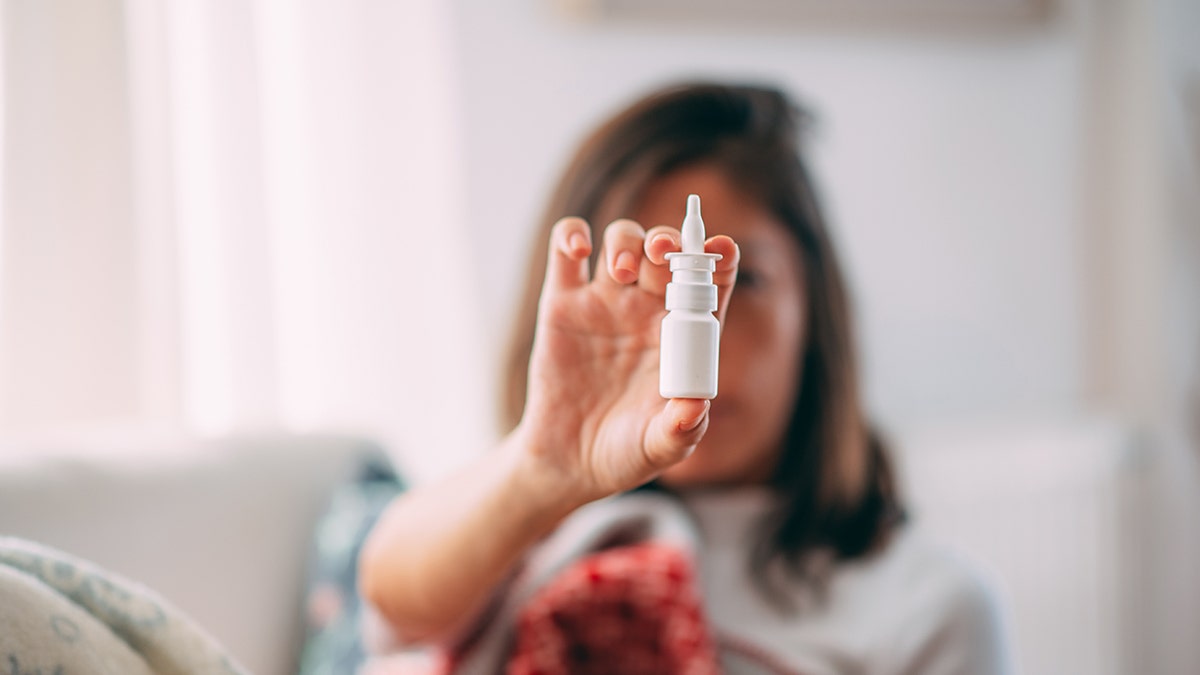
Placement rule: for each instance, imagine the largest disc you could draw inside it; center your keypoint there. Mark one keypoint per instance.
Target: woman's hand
(594, 423)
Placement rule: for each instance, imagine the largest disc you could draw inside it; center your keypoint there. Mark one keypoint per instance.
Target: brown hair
(834, 473)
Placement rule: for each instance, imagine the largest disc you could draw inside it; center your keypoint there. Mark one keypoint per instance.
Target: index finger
(725, 275)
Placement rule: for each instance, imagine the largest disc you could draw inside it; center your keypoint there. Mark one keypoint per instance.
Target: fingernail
(625, 261)
(692, 424)
(577, 241)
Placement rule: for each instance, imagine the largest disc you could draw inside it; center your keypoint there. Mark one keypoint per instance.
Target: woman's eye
(747, 278)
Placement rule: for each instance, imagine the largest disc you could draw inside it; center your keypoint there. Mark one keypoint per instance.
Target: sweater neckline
(730, 514)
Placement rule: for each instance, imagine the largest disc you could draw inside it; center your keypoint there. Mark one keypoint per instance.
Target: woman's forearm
(439, 550)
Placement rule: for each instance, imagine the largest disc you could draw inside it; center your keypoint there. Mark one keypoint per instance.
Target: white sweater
(913, 608)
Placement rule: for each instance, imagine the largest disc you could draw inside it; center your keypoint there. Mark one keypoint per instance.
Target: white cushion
(220, 528)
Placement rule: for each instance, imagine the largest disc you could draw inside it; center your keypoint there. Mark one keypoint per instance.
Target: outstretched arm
(594, 425)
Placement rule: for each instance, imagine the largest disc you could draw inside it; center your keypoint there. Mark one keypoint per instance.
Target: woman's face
(764, 331)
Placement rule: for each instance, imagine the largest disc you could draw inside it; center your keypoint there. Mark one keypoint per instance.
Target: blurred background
(224, 217)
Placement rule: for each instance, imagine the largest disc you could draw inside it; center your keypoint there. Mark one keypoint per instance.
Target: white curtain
(222, 215)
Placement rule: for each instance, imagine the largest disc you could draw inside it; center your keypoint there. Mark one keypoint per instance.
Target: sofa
(221, 528)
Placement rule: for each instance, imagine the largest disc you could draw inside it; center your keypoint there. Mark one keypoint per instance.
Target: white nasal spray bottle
(690, 333)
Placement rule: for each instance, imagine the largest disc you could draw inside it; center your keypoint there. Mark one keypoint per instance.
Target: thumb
(674, 432)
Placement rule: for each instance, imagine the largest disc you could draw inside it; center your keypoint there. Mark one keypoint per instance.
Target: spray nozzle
(692, 269)
(692, 255)
(693, 227)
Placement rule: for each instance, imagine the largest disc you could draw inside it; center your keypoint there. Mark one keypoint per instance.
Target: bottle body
(688, 354)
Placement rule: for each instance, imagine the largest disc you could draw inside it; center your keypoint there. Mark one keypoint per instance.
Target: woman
(801, 560)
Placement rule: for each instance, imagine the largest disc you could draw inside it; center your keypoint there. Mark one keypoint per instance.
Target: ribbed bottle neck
(691, 286)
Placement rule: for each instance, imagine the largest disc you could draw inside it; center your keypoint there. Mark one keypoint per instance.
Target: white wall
(1171, 56)
(950, 161)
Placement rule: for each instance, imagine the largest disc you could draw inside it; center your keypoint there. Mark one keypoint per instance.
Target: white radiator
(1050, 513)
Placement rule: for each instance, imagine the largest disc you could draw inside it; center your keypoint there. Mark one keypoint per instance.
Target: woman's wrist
(551, 488)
